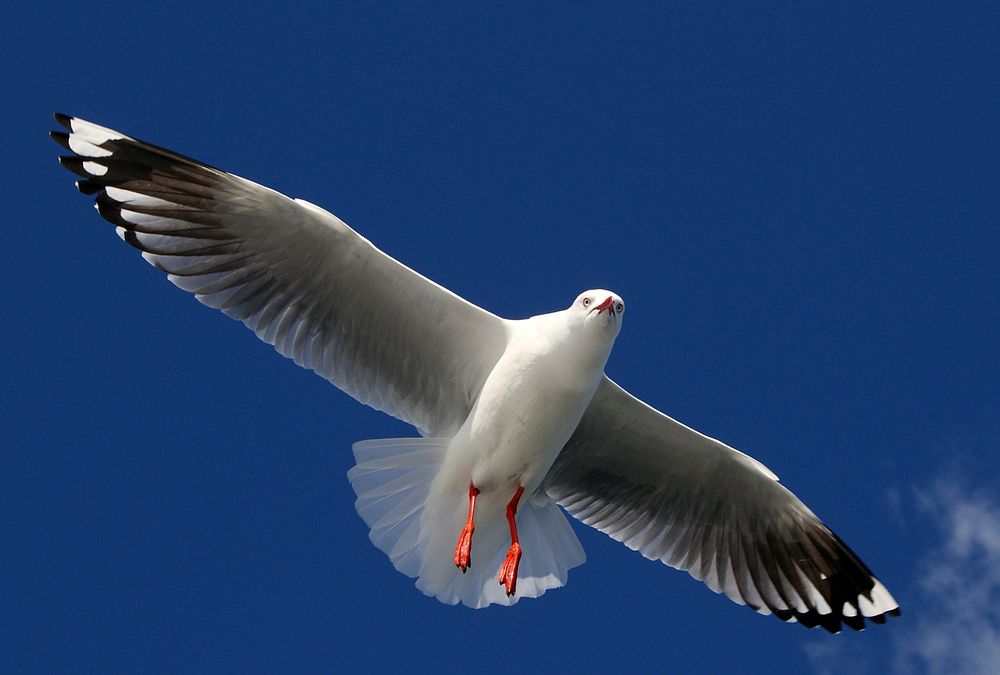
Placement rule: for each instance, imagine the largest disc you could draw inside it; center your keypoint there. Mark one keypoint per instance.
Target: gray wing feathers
(695, 504)
(296, 275)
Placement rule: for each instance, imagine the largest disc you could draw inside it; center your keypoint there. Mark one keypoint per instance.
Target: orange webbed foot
(463, 548)
(508, 571)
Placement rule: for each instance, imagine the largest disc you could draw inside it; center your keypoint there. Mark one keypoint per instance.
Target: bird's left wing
(296, 275)
(698, 505)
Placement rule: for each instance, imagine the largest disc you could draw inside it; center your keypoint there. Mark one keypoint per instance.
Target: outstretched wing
(296, 275)
(698, 505)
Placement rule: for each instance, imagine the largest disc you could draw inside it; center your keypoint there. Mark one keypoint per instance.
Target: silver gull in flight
(516, 417)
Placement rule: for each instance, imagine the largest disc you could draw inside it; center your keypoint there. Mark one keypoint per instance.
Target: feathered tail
(417, 527)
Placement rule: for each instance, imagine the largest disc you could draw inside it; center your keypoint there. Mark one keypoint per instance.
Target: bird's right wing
(296, 275)
(696, 504)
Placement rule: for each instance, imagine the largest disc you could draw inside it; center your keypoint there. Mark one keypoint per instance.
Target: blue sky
(798, 203)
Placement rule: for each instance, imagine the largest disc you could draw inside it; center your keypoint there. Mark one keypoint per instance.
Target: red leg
(463, 548)
(508, 571)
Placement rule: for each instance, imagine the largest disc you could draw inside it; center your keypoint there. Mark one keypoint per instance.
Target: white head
(599, 310)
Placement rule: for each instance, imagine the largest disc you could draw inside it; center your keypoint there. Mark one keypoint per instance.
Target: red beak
(604, 305)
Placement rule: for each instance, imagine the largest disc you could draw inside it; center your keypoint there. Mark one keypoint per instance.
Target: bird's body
(532, 401)
(529, 406)
(517, 418)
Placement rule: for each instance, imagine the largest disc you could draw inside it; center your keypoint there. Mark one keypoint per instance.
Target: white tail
(417, 527)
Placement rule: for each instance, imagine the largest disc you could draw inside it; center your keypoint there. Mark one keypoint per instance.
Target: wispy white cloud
(951, 622)
(958, 627)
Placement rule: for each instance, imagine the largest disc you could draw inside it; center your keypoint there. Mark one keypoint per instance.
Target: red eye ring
(586, 302)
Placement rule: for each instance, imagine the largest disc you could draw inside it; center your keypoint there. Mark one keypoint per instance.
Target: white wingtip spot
(880, 603)
(129, 197)
(848, 610)
(882, 599)
(85, 148)
(95, 169)
(867, 607)
(815, 597)
(93, 133)
(121, 232)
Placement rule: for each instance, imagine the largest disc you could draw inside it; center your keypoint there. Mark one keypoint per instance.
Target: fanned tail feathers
(393, 479)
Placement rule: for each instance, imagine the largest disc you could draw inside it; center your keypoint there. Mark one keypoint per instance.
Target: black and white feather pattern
(296, 275)
(698, 505)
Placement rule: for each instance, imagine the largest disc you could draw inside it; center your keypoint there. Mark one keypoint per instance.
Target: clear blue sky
(799, 204)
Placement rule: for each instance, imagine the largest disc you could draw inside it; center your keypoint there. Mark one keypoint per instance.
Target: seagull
(517, 419)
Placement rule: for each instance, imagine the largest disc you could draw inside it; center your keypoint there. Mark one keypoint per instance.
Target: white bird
(516, 418)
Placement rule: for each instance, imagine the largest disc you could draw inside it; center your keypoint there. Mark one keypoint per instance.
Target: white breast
(529, 407)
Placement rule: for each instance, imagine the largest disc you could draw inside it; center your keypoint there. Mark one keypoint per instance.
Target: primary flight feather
(516, 417)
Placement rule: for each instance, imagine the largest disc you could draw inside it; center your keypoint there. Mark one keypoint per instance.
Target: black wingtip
(74, 164)
(856, 622)
(61, 138)
(64, 120)
(88, 187)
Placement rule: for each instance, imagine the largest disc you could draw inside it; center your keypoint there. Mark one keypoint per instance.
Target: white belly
(529, 407)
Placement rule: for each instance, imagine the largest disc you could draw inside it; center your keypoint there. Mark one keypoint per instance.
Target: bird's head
(600, 311)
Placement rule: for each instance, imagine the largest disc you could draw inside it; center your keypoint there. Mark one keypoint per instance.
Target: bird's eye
(586, 302)
(619, 307)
